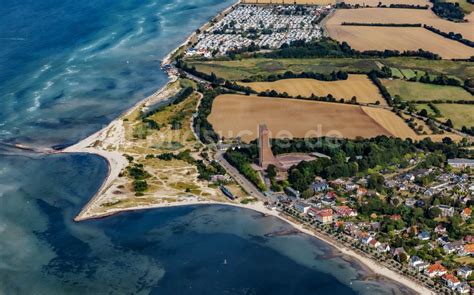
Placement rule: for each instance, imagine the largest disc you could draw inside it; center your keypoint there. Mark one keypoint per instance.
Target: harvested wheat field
(391, 122)
(359, 86)
(397, 127)
(305, 2)
(381, 38)
(397, 16)
(374, 3)
(239, 116)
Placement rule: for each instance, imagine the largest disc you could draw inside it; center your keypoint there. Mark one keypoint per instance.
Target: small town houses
(435, 270)
(335, 202)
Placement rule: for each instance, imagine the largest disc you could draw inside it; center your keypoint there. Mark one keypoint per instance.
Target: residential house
(292, 192)
(446, 211)
(417, 263)
(383, 248)
(345, 211)
(451, 281)
(397, 252)
(374, 243)
(301, 207)
(351, 186)
(424, 235)
(410, 202)
(466, 213)
(435, 270)
(443, 240)
(322, 215)
(440, 229)
(464, 272)
(329, 199)
(467, 249)
(461, 163)
(429, 193)
(319, 186)
(414, 261)
(409, 177)
(469, 239)
(420, 203)
(463, 288)
(395, 217)
(361, 192)
(366, 239)
(452, 247)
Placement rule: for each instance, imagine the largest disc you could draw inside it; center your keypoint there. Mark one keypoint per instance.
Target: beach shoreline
(117, 162)
(259, 207)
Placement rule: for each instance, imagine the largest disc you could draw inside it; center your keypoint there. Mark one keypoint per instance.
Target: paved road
(249, 187)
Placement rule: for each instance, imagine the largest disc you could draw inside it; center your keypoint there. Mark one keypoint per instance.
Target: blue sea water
(66, 69)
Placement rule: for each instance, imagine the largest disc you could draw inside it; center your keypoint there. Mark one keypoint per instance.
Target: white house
(301, 207)
(464, 272)
(451, 281)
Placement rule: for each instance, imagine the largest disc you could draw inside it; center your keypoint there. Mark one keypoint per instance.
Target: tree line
(333, 76)
(327, 47)
(381, 25)
(451, 35)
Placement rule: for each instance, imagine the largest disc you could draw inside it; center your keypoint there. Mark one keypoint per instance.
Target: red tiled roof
(467, 211)
(436, 267)
(469, 248)
(450, 277)
(325, 212)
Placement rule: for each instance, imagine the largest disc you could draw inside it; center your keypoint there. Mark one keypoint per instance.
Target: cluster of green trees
(448, 10)
(200, 124)
(344, 5)
(436, 101)
(327, 47)
(374, 77)
(212, 78)
(350, 158)
(241, 160)
(183, 156)
(237, 87)
(139, 175)
(178, 98)
(207, 171)
(439, 80)
(468, 130)
(451, 35)
(333, 76)
(407, 6)
(328, 98)
(183, 94)
(407, 25)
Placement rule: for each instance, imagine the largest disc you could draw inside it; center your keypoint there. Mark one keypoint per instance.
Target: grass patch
(424, 106)
(416, 91)
(460, 115)
(397, 73)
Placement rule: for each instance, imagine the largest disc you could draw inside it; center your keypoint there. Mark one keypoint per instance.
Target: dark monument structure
(265, 153)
